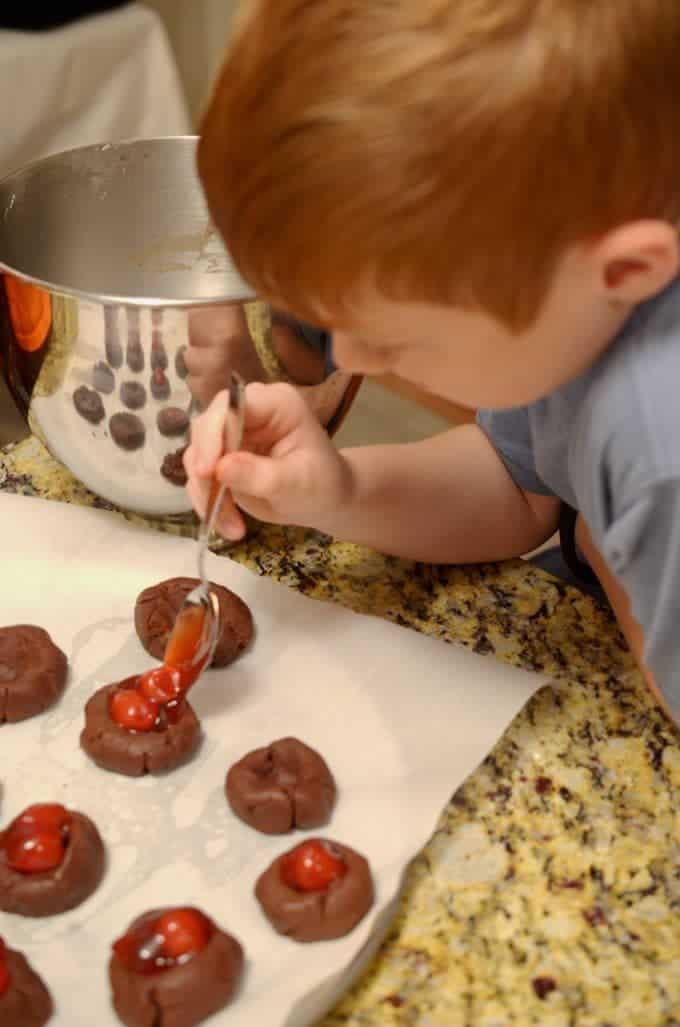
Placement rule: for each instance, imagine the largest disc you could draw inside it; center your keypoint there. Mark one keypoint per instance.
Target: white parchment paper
(401, 719)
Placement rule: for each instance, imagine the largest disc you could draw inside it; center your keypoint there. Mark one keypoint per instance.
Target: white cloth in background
(105, 78)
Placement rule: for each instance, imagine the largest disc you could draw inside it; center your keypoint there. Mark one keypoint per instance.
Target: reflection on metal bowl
(110, 269)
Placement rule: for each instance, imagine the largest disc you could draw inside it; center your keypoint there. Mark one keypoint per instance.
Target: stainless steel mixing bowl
(110, 266)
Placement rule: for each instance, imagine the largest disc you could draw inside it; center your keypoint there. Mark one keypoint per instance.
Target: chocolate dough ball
(160, 386)
(127, 431)
(89, 404)
(61, 889)
(134, 352)
(27, 1002)
(135, 753)
(159, 358)
(157, 607)
(281, 786)
(317, 915)
(172, 467)
(181, 369)
(103, 378)
(181, 996)
(133, 395)
(33, 672)
(172, 421)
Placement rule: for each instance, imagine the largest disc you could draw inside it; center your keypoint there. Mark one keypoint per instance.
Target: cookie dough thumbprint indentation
(173, 967)
(33, 672)
(24, 999)
(51, 860)
(157, 607)
(127, 431)
(282, 786)
(89, 404)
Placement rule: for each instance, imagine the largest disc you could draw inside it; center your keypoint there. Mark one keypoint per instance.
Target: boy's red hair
(446, 150)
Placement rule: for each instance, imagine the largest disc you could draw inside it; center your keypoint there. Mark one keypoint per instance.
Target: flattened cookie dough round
(306, 914)
(157, 607)
(24, 999)
(135, 753)
(178, 991)
(282, 786)
(33, 672)
(64, 886)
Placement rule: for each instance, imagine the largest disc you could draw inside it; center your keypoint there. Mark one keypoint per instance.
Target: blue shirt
(608, 444)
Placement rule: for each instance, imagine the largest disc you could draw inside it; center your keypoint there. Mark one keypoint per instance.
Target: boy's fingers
(252, 475)
(276, 406)
(207, 436)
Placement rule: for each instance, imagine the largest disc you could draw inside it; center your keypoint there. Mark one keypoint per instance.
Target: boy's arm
(621, 605)
(448, 499)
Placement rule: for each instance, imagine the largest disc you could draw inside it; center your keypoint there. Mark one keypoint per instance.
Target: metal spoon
(201, 597)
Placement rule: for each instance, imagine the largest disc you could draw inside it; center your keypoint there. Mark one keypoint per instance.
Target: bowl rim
(105, 298)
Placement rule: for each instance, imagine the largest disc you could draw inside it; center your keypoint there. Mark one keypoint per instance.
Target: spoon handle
(233, 437)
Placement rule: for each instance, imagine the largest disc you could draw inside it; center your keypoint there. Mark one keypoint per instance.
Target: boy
(482, 196)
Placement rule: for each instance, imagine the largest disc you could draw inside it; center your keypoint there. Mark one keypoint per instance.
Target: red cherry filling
(132, 710)
(36, 840)
(312, 866)
(183, 644)
(186, 931)
(5, 980)
(161, 685)
(162, 939)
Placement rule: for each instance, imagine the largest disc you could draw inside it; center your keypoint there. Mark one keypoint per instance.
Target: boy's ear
(637, 260)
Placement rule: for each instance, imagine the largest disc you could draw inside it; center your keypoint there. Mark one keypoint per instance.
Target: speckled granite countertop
(550, 891)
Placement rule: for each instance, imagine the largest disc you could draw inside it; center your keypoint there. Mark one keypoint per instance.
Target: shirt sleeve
(642, 548)
(509, 432)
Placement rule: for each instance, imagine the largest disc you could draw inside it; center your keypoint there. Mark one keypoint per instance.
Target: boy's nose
(354, 354)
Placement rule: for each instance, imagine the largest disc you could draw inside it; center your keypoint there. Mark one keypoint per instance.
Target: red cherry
(36, 854)
(312, 866)
(161, 685)
(36, 840)
(163, 938)
(185, 932)
(4, 972)
(132, 710)
(140, 949)
(42, 816)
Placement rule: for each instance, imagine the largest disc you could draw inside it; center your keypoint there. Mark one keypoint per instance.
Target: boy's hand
(219, 342)
(288, 472)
